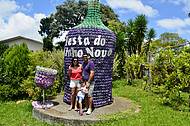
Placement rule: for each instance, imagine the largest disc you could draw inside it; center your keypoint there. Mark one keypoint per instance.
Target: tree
(108, 14)
(140, 27)
(68, 15)
(135, 33)
(131, 43)
(47, 44)
(46, 28)
(120, 51)
(151, 34)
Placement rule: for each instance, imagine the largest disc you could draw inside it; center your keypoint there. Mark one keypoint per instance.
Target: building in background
(169, 37)
(33, 45)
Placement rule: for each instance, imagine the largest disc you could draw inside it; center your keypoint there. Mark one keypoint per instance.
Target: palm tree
(131, 46)
(120, 50)
(151, 34)
(140, 27)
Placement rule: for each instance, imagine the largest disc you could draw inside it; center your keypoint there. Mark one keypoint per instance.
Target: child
(80, 96)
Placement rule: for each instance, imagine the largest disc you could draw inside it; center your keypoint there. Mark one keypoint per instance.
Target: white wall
(34, 46)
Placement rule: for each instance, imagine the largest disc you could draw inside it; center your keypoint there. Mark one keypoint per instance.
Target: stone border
(60, 115)
(61, 120)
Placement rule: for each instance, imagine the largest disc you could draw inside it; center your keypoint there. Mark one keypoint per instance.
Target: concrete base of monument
(60, 114)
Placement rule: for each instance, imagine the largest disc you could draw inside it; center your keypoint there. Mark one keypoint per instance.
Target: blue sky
(22, 17)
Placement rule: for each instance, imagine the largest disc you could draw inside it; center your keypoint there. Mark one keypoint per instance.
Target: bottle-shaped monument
(94, 38)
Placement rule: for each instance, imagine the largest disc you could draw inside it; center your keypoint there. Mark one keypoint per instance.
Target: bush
(170, 77)
(133, 67)
(15, 63)
(3, 48)
(119, 66)
(116, 75)
(52, 60)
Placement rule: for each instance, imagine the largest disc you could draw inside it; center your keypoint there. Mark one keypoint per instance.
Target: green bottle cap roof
(93, 18)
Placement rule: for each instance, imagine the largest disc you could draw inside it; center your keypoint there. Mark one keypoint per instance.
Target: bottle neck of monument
(93, 18)
(93, 10)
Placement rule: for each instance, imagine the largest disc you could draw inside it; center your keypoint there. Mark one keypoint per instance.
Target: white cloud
(187, 21)
(26, 8)
(172, 23)
(184, 3)
(2, 23)
(13, 22)
(7, 7)
(133, 5)
(176, 24)
(183, 31)
(39, 16)
(21, 24)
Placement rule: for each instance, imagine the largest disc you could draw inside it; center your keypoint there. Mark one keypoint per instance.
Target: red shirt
(76, 73)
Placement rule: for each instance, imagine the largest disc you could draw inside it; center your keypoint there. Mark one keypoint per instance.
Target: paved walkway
(60, 114)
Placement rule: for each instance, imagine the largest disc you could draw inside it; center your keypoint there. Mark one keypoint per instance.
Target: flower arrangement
(44, 77)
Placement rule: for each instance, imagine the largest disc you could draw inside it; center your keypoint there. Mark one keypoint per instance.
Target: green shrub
(133, 67)
(170, 77)
(15, 63)
(119, 65)
(3, 48)
(115, 73)
(52, 60)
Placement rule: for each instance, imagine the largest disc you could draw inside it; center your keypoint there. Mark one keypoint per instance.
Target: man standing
(88, 78)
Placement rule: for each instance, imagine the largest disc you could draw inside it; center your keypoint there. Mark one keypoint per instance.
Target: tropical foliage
(68, 15)
(121, 49)
(136, 32)
(151, 34)
(130, 41)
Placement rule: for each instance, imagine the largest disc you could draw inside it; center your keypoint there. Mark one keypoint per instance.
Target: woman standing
(75, 75)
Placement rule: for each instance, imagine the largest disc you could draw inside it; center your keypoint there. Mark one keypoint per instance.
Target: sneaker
(85, 110)
(89, 111)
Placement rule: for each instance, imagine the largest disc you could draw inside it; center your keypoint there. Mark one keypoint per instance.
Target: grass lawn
(12, 114)
(152, 112)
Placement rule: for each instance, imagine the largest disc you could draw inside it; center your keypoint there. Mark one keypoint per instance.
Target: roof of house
(19, 37)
